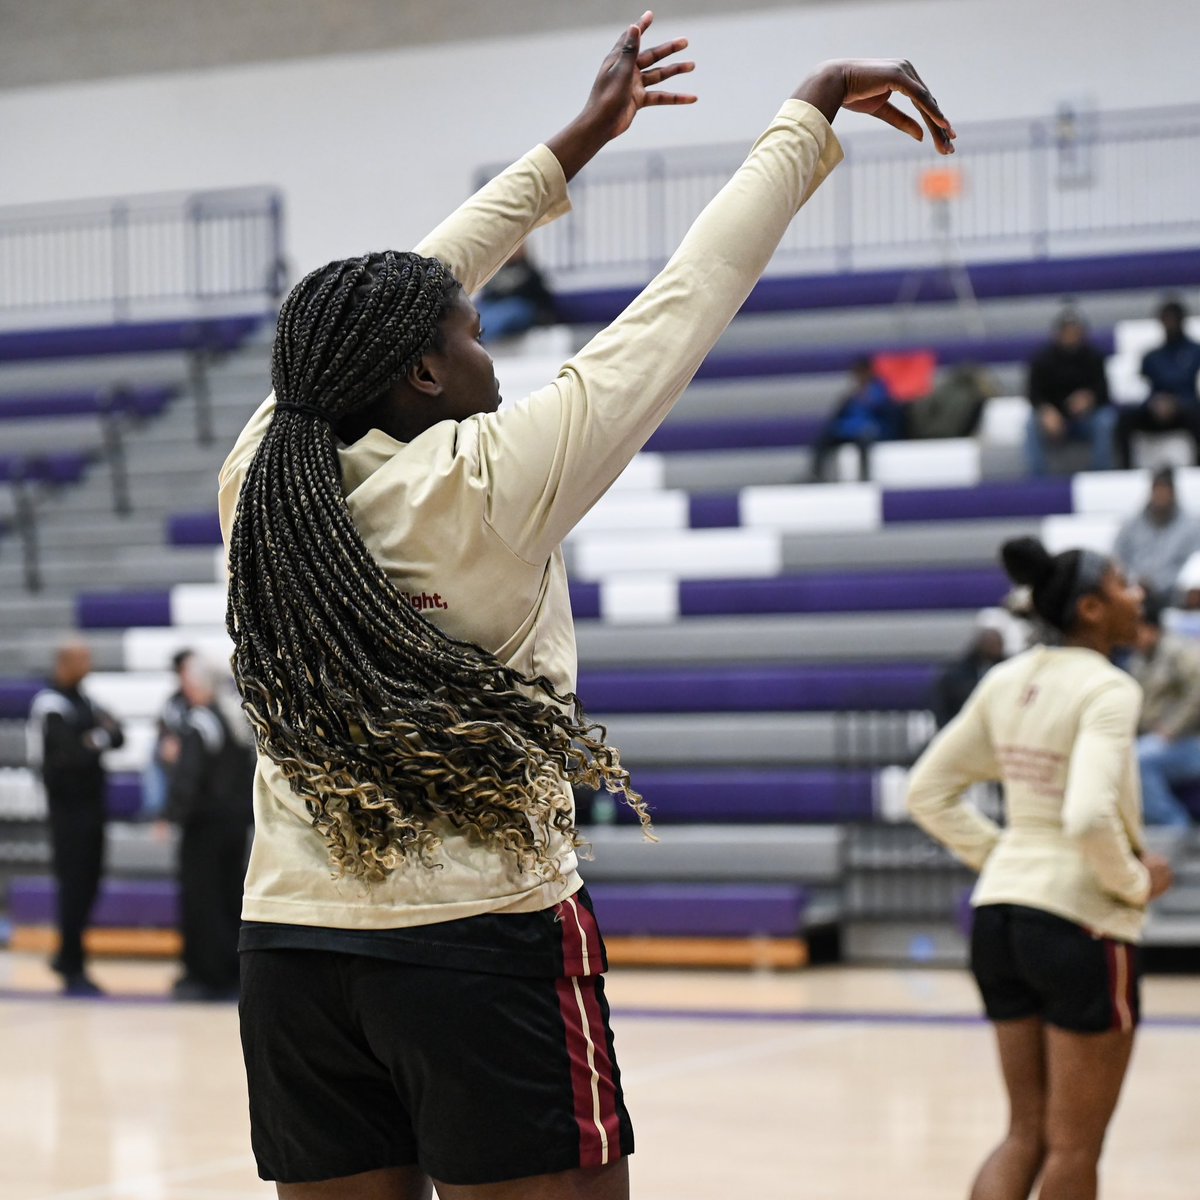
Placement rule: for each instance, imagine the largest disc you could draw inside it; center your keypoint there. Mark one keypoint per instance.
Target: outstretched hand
(626, 76)
(627, 82)
(866, 85)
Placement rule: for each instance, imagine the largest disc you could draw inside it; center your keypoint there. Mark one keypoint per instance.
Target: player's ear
(1089, 609)
(424, 377)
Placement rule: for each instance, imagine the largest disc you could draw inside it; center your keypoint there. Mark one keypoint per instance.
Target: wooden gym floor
(828, 1084)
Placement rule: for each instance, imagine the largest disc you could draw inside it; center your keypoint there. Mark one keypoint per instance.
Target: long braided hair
(386, 726)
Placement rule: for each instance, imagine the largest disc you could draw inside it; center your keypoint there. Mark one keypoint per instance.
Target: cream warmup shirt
(1056, 726)
(467, 519)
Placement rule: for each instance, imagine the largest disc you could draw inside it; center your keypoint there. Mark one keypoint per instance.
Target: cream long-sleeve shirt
(467, 519)
(1056, 726)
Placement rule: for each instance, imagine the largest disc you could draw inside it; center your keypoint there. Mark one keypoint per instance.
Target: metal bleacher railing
(1077, 183)
(140, 257)
(177, 272)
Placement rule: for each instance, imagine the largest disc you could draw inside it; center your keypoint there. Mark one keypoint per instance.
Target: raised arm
(551, 457)
(479, 237)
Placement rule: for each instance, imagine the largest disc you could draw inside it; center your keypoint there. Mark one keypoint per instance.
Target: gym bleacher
(761, 648)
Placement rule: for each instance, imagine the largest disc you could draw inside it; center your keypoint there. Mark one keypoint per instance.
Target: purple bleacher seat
(736, 434)
(745, 796)
(141, 402)
(122, 610)
(984, 501)
(847, 591)
(194, 529)
(16, 695)
(214, 333)
(989, 280)
(714, 511)
(123, 903)
(124, 799)
(699, 910)
(793, 688)
(585, 601)
(59, 468)
(825, 360)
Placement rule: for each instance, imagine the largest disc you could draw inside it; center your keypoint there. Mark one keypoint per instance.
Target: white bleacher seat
(1154, 450)
(685, 554)
(940, 462)
(639, 599)
(812, 508)
(200, 604)
(153, 649)
(1123, 493)
(1189, 574)
(630, 509)
(1076, 531)
(1117, 493)
(644, 473)
(127, 694)
(1005, 420)
(1125, 382)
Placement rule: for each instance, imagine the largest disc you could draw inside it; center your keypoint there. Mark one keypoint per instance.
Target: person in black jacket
(515, 299)
(210, 799)
(960, 678)
(1068, 395)
(68, 736)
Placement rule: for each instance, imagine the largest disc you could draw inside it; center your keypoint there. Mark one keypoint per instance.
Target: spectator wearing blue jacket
(1170, 370)
(867, 414)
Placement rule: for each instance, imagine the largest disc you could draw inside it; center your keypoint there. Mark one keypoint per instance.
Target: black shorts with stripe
(1032, 963)
(360, 1061)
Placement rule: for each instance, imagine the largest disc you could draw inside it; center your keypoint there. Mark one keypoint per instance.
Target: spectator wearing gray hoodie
(1154, 545)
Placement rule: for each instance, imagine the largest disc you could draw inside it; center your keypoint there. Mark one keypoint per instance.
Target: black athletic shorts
(1031, 963)
(356, 1063)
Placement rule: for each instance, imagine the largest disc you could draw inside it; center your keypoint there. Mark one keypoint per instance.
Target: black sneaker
(80, 985)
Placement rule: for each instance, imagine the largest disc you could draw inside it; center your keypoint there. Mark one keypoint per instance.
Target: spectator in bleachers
(1171, 371)
(955, 406)
(211, 801)
(68, 737)
(1154, 544)
(865, 415)
(515, 299)
(1168, 748)
(156, 777)
(956, 683)
(1068, 395)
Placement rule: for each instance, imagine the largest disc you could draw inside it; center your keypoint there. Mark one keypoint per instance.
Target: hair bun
(1027, 561)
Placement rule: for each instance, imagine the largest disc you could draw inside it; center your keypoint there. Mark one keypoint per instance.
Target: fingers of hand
(629, 41)
(893, 116)
(648, 58)
(913, 86)
(659, 74)
(667, 98)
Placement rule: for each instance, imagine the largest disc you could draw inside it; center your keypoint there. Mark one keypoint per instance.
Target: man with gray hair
(1153, 545)
(211, 800)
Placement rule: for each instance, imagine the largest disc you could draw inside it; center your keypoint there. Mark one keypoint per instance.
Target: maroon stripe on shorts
(595, 1147)
(606, 1079)
(593, 1086)
(581, 945)
(1120, 984)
